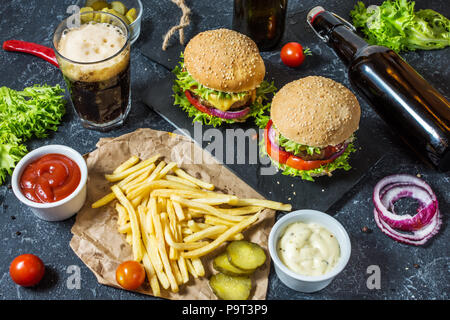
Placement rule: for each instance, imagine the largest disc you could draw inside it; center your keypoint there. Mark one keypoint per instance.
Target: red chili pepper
(38, 50)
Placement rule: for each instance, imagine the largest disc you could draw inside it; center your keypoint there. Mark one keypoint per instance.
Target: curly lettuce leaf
(395, 24)
(296, 148)
(184, 81)
(340, 163)
(23, 115)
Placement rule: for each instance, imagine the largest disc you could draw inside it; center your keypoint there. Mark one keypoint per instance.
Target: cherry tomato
(27, 270)
(292, 54)
(130, 275)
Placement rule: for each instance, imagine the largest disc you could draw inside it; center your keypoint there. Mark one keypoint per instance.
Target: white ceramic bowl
(58, 210)
(297, 281)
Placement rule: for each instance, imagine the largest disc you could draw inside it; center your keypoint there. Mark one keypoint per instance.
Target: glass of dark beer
(93, 52)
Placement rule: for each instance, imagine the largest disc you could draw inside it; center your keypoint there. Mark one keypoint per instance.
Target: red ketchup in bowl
(50, 178)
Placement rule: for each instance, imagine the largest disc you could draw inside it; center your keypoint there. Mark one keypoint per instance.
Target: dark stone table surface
(407, 272)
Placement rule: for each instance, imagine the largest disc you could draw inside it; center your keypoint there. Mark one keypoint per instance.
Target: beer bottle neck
(344, 41)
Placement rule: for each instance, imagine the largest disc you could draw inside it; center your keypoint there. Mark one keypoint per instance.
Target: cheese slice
(224, 104)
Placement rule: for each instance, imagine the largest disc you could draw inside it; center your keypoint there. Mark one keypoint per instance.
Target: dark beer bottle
(404, 100)
(261, 20)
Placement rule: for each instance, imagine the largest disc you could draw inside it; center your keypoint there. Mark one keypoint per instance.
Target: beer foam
(90, 43)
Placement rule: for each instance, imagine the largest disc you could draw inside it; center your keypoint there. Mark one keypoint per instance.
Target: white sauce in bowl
(308, 249)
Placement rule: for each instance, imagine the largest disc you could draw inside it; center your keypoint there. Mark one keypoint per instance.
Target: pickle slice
(227, 287)
(221, 264)
(88, 16)
(104, 18)
(89, 3)
(245, 255)
(99, 5)
(117, 14)
(131, 15)
(119, 7)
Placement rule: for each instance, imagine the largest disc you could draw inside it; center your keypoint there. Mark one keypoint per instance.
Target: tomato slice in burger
(300, 164)
(284, 157)
(274, 151)
(196, 103)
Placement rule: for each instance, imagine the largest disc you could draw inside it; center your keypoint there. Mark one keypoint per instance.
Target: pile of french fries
(172, 219)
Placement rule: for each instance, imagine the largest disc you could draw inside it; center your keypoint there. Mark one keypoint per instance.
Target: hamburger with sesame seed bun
(221, 78)
(311, 128)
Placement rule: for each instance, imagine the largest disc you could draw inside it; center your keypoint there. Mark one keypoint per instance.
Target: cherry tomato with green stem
(293, 54)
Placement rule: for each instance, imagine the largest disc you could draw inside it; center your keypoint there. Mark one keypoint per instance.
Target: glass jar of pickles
(130, 11)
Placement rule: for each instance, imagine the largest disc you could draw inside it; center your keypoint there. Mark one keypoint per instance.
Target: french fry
(136, 233)
(182, 174)
(145, 201)
(182, 246)
(104, 201)
(196, 226)
(198, 266)
(191, 268)
(206, 208)
(241, 210)
(123, 215)
(138, 179)
(156, 261)
(180, 180)
(212, 220)
(150, 243)
(129, 238)
(221, 239)
(133, 190)
(136, 201)
(151, 275)
(166, 170)
(145, 188)
(183, 269)
(190, 193)
(264, 203)
(123, 184)
(162, 246)
(126, 228)
(136, 176)
(172, 218)
(173, 253)
(205, 233)
(217, 201)
(237, 236)
(133, 169)
(126, 165)
(178, 211)
(176, 271)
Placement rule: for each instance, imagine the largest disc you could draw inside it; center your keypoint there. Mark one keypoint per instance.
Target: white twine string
(184, 22)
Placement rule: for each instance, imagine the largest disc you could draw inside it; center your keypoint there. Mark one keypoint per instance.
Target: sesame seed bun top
(224, 60)
(315, 111)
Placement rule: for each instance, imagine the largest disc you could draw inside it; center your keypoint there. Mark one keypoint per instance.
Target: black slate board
(319, 195)
(150, 43)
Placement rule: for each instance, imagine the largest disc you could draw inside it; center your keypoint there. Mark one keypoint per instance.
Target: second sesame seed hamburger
(221, 78)
(311, 128)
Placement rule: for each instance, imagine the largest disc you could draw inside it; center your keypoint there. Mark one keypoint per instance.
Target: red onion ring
(229, 114)
(423, 225)
(418, 237)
